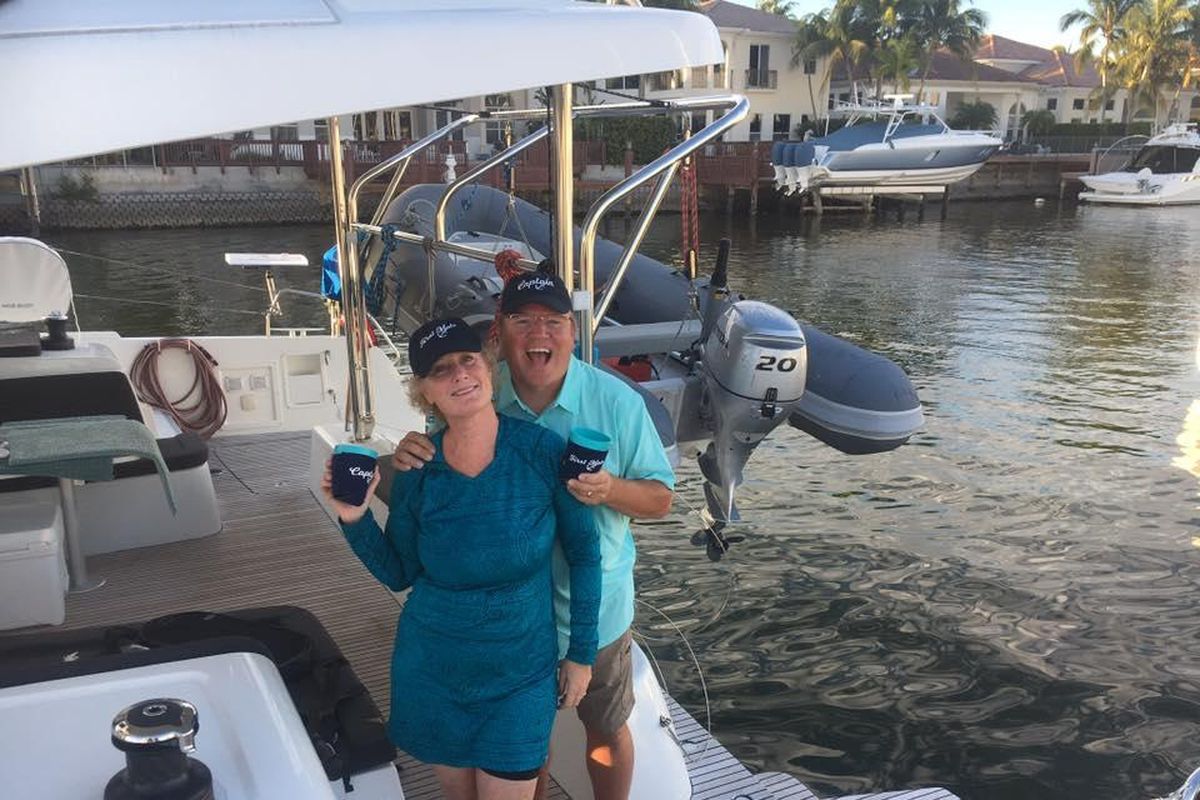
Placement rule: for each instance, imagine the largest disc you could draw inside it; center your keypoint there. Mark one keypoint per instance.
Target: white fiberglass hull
(1127, 188)
(936, 176)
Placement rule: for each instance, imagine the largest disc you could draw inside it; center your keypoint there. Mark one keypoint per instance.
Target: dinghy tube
(855, 401)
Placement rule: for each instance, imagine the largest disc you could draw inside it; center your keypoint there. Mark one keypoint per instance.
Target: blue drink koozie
(586, 451)
(353, 470)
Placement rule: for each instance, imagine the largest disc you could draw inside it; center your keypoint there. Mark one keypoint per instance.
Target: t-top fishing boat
(156, 494)
(893, 143)
(1165, 171)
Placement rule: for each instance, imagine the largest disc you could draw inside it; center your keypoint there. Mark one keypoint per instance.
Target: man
(541, 381)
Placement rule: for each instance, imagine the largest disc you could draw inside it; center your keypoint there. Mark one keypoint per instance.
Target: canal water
(1009, 605)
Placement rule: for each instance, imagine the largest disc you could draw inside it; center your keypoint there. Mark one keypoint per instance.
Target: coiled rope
(202, 408)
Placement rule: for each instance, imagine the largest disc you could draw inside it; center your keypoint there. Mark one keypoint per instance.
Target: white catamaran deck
(279, 548)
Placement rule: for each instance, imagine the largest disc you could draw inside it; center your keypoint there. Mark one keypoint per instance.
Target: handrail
(439, 216)
(404, 155)
(740, 107)
(449, 247)
(635, 108)
(737, 106)
(635, 241)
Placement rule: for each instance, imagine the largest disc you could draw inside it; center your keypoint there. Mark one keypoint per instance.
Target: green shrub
(976, 116)
(83, 189)
(1096, 129)
(1038, 122)
(650, 136)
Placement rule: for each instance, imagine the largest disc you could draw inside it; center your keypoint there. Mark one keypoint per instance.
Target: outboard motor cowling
(755, 362)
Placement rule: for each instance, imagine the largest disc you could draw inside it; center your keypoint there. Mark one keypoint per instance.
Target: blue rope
(375, 291)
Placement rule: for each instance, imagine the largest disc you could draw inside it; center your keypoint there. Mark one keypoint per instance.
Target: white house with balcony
(758, 64)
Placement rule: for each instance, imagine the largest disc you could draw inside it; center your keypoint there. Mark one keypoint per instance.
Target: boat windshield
(1164, 159)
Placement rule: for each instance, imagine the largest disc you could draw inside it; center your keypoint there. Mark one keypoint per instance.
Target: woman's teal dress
(474, 669)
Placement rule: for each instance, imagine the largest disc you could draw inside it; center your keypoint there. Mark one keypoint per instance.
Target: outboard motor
(156, 736)
(777, 151)
(754, 362)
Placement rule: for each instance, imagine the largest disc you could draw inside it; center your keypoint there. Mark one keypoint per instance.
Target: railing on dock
(428, 166)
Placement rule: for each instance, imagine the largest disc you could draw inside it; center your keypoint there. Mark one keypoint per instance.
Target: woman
(473, 669)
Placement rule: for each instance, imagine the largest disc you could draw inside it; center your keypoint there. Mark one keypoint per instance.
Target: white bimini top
(86, 78)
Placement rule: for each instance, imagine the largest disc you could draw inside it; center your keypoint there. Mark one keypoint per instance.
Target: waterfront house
(1017, 77)
(1071, 94)
(758, 64)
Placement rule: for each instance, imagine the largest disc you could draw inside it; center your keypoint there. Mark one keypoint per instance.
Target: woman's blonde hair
(417, 397)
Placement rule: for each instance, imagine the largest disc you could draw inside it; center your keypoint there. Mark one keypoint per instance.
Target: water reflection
(1006, 606)
(1189, 438)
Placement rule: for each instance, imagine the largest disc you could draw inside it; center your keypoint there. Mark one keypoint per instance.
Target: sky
(1032, 21)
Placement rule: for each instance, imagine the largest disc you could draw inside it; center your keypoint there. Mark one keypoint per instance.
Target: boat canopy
(1165, 159)
(87, 78)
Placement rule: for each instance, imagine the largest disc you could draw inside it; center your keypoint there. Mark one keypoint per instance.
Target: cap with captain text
(438, 337)
(537, 287)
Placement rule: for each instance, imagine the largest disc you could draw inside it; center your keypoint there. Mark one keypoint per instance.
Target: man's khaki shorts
(609, 699)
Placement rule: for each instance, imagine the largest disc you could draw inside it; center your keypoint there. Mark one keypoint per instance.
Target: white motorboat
(883, 144)
(1165, 171)
(137, 661)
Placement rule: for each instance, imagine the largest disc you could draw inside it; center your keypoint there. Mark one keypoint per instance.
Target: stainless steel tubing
(447, 247)
(563, 162)
(439, 217)
(403, 156)
(591, 224)
(354, 301)
(635, 241)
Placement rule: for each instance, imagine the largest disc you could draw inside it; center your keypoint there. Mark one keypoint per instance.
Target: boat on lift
(1165, 171)
(886, 144)
(117, 687)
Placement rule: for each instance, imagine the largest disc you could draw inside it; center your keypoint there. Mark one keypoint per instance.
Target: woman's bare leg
(492, 788)
(458, 783)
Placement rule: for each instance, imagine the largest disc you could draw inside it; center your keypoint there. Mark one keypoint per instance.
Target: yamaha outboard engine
(755, 362)
(156, 736)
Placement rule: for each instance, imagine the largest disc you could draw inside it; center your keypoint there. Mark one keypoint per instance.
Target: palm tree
(1104, 20)
(1191, 36)
(945, 25)
(896, 60)
(812, 44)
(784, 8)
(1038, 122)
(836, 35)
(851, 36)
(1157, 48)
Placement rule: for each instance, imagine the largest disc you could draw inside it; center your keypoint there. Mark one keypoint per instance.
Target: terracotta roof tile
(993, 46)
(1059, 70)
(946, 66)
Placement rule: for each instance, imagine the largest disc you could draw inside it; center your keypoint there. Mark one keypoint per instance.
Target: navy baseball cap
(438, 337)
(535, 287)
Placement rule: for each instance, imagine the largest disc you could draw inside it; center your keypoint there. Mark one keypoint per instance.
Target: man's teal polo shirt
(592, 398)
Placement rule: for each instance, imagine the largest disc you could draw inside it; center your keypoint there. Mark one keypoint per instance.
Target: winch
(156, 736)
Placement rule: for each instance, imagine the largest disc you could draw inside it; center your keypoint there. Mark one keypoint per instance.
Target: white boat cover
(86, 78)
(35, 280)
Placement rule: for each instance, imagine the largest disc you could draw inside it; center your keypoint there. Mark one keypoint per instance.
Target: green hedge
(1096, 129)
(650, 136)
